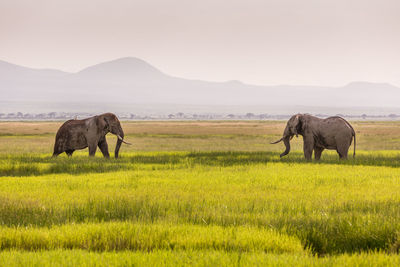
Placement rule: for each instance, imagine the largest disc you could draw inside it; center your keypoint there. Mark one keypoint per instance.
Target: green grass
(201, 204)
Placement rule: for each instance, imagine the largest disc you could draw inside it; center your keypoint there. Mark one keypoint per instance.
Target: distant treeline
(181, 116)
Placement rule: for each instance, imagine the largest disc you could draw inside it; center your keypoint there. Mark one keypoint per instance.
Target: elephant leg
(69, 152)
(342, 151)
(318, 152)
(56, 153)
(343, 145)
(92, 149)
(308, 147)
(104, 148)
(58, 148)
(341, 156)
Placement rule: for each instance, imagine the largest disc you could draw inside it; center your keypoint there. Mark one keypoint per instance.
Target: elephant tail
(354, 136)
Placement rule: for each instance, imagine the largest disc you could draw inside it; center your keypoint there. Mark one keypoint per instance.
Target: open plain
(211, 193)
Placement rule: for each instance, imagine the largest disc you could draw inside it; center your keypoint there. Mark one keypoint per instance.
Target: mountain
(12, 72)
(124, 70)
(132, 80)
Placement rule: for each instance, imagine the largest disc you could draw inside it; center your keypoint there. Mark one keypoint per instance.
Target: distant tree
(52, 115)
(392, 116)
(19, 115)
(180, 114)
(171, 116)
(364, 116)
(230, 116)
(249, 115)
(41, 116)
(132, 116)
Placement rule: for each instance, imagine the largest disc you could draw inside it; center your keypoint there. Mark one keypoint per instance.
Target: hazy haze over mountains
(132, 80)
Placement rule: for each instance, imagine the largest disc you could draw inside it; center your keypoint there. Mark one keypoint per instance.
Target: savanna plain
(199, 193)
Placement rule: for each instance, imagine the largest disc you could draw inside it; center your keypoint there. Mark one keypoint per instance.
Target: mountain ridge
(140, 82)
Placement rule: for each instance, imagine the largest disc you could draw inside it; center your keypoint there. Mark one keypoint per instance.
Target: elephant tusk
(277, 141)
(120, 138)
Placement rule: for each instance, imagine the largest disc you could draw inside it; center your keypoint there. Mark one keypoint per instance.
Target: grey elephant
(319, 134)
(90, 132)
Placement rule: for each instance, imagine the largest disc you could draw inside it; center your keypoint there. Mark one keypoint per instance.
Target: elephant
(91, 132)
(319, 134)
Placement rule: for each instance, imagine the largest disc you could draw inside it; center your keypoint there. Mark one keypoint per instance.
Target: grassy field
(198, 193)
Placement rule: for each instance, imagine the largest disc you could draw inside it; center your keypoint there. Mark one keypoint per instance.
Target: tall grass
(332, 206)
(188, 258)
(127, 236)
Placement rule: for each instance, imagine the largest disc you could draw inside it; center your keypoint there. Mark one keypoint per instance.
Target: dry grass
(31, 137)
(388, 128)
(158, 127)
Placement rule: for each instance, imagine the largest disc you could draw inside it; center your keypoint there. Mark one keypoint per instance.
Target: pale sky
(268, 42)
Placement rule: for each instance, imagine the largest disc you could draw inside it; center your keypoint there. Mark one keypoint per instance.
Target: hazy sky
(313, 42)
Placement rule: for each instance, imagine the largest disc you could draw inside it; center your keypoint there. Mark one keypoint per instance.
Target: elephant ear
(102, 123)
(304, 124)
(295, 123)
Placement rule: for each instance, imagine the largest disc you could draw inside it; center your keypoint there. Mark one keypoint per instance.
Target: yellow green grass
(188, 258)
(115, 236)
(236, 204)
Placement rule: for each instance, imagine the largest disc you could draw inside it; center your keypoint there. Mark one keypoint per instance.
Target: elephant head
(109, 123)
(294, 126)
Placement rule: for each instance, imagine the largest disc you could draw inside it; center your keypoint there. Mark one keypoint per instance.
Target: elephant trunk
(287, 135)
(119, 141)
(286, 141)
